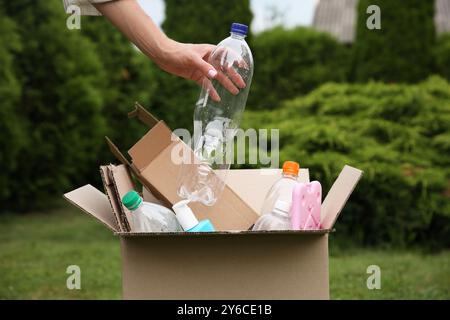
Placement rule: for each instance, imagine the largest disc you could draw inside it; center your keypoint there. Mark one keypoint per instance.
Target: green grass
(35, 250)
(404, 275)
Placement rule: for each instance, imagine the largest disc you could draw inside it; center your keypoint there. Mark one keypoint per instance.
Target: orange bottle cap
(291, 167)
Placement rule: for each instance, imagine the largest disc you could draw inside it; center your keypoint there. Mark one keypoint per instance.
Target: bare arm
(182, 59)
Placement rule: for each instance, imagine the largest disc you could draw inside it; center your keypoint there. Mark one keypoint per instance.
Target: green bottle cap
(131, 200)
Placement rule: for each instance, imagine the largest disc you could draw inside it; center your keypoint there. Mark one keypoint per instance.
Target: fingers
(227, 60)
(205, 68)
(227, 83)
(235, 77)
(224, 73)
(209, 88)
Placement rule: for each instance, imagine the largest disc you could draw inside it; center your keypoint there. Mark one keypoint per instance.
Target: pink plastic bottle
(306, 204)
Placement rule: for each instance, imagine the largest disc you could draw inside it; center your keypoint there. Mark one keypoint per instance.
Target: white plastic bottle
(217, 119)
(282, 189)
(149, 217)
(278, 219)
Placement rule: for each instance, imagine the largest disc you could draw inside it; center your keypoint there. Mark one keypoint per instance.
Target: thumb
(205, 68)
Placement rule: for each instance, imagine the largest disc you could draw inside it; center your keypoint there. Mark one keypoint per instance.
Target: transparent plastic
(216, 122)
(151, 217)
(278, 219)
(281, 190)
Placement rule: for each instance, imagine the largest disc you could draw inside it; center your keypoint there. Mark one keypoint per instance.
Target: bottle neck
(290, 175)
(138, 207)
(238, 36)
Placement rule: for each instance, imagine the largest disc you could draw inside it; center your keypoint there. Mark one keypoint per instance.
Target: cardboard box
(151, 163)
(229, 264)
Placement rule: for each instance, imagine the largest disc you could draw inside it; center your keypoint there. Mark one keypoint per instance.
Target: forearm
(138, 27)
(185, 60)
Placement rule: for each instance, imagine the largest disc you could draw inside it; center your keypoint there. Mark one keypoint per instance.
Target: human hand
(182, 59)
(189, 61)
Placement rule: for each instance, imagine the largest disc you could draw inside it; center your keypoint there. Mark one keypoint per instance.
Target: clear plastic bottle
(282, 189)
(216, 121)
(149, 217)
(278, 219)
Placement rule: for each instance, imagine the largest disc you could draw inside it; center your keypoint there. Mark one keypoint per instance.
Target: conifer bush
(398, 134)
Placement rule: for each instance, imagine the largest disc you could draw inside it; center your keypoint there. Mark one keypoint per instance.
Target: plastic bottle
(306, 206)
(282, 189)
(187, 219)
(278, 219)
(216, 122)
(149, 217)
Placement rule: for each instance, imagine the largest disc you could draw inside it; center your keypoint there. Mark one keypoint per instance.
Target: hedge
(293, 62)
(130, 77)
(398, 134)
(442, 55)
(58, 107)
(12, 137)
(62, 91)
(199, 21)
(401, 51)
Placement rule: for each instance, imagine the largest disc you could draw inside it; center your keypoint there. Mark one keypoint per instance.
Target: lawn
(35, 250)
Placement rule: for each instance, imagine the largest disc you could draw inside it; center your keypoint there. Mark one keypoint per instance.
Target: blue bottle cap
(239, 28)
(203, 226)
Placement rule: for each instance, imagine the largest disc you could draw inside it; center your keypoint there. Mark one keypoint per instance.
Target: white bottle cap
(282, 206)
(184, 215)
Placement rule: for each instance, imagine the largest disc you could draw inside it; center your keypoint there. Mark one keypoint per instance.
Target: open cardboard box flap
(152, 164)
(95, 203)
(252, 185)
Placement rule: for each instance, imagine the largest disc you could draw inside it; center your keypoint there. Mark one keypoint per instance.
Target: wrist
(164, 49)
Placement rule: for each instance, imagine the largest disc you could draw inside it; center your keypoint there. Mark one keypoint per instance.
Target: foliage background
(401, 51)
(397, 134)
(387, 113)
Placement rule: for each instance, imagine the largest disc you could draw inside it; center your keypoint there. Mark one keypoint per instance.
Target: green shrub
(442, 55)
(175, 100)
(289, 63)
(59, 105)
(129, 77)
(398, 134)
(401, 51)
(198, 21)
(12, 137)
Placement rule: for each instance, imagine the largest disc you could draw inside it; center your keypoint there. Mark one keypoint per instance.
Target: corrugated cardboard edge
(117, 182)
(338, 195)
(320, 232)
(112, 197)
(122, 183)
(143, 115)
(95, 203)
